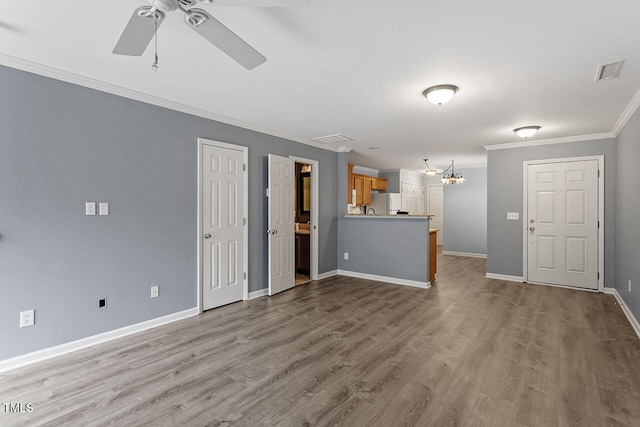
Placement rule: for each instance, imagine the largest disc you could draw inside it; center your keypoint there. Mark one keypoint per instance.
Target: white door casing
(222, 225)
(436, 199)
(281, 224)
(562, 223)
(315, 188)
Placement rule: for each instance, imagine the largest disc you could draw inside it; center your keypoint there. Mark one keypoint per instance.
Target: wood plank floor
(470, 351)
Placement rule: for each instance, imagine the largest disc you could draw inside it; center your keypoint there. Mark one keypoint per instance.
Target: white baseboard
(505, 277)
(59, 350)
(327, 274)
(395, 280)
(259, 293)
(632, 319)
(464, 254)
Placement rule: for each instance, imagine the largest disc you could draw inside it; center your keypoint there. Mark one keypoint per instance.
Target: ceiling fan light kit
(440, 94)
(526, 131)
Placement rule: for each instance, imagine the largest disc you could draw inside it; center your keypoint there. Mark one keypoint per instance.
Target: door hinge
(244, 221)
(245, 275)
(267, 192)
(598, 173)
(244, 167)
(598, 225)
(598, 274)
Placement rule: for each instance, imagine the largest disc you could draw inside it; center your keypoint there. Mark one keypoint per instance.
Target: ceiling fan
(146, 20)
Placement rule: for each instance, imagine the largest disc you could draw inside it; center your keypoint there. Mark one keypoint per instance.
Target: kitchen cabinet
(433, 238)
(363, 185)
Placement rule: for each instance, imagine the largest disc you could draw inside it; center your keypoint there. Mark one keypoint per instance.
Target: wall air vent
(333, 139)
(608, 71)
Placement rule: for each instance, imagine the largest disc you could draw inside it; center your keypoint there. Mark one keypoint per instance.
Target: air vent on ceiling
(608, 71)
(333, 139)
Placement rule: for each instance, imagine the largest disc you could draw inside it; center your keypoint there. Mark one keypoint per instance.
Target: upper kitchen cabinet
(360, 187)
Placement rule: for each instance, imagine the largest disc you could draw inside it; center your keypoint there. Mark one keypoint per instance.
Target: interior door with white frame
(281, 229)
(315, 188)
(222, 223)
(562, 223)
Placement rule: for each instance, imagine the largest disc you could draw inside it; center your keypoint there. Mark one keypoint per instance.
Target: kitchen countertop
(380, 216)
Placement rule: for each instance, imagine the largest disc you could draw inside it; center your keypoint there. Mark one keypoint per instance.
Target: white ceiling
(358, 67)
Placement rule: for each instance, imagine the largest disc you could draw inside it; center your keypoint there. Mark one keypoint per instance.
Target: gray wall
(627, 209)
(465, 213)
(62, 145)
(504, 194)
(397, 247)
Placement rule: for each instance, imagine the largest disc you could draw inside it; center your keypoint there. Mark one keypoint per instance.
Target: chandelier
(449, 175)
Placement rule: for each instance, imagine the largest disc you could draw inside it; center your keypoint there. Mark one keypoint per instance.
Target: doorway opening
(302, 204)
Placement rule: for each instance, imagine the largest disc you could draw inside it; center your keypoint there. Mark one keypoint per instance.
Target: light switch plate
(90, 208)
(103, 208)
(513, 216)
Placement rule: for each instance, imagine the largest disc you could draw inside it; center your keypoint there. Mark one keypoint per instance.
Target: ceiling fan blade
(139, 31)
(225, 39)
(261, 3)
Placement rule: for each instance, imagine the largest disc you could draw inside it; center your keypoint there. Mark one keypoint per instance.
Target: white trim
(467, 254)
(314, 217)
(525, 201)
(562, 140)
(245, 151)
(59, 350)
(627, 114)
(327, 274)
(344, 149)
(65, 76)
(632, 319)
(505, 277)
(553, 285)
(259, 293)
(395, 280)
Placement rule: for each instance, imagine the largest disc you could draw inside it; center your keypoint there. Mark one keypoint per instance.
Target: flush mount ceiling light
(526, 131)
(440, 94)
(449, 175)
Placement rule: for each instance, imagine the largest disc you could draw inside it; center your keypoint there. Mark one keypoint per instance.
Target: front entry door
(281, 224)
(222, 222)
(562, 223)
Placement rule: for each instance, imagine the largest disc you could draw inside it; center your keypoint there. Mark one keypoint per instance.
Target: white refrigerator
(385, 203)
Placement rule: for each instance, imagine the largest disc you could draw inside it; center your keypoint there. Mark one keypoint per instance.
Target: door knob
(532, 229)
(207, 236)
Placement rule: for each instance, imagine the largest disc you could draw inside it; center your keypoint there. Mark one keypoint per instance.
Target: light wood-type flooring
(470, 351)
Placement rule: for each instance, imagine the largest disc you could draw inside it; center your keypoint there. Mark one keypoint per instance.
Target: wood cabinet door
(366, 196)
(358, 185)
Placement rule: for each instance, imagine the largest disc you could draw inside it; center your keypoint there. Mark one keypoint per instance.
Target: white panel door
(562, 223)
(408, 197)
(436, 199)
(281, 224)
(222, 222)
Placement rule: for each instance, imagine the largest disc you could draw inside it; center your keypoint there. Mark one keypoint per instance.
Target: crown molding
(627, 114)
(344, 149)
(538, 142)
(68, 77)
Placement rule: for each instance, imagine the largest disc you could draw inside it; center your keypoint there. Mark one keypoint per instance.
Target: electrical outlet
(346, 255)
(154, 292)
(27, 318)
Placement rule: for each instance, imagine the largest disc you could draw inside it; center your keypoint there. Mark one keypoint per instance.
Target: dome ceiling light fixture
(440, 94)
(526, 131)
